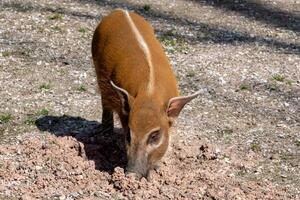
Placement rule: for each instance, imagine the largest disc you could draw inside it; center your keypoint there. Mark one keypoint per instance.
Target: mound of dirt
(47, 166)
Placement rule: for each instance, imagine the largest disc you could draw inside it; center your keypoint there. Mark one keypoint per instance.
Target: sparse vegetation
(191, 73)
(81, 88)
(56, 28)
(146, 7)
(5, 117)
(297, 142)
(278, 77)
(41, 29)
(6, 53)
(244, 87)
(45, 87)
(44, 112)
(255, 147)
(272, 87)
(289, 82)
(31, 118)
(82, 30)
(55, 16)
(16, 52)
(172, 41)
(170, 33)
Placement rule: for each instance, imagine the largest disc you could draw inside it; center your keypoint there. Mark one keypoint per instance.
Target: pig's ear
(177, 103)
(125, 98)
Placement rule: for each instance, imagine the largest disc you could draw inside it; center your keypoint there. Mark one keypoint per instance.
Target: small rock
(19, 152)
(62, 197)
(38, 167)
(80, 176)
(283, 175)
(74, 194)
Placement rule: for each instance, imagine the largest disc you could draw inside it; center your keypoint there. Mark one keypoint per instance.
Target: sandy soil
(239, 140)
(64, 168)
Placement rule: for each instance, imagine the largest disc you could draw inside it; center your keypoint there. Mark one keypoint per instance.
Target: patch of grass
(169, 41)
(82, 30)
(146, 7)
(81, 88)
(56, 28)
(6, 53)
(55, 16)
(227, 131)
(17, 52)
(5, 117)
(171, 45)
(170, 33)
(278, 77)
(31, 118)
(255, 147)
(45, 86)
(172, 41)
(289, 82)
(41, 29)
(272, 87)
(244, 87)
(191, 73)
(43, 112)
(297, 143)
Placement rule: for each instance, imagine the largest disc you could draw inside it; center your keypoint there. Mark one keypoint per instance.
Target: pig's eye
(154, 137)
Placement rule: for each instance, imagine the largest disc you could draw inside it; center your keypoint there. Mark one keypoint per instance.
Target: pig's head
(148, 137)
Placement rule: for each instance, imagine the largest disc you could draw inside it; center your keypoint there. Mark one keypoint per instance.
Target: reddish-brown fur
(120, 60)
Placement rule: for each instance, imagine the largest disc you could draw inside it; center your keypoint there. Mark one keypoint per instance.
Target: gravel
(238, 140)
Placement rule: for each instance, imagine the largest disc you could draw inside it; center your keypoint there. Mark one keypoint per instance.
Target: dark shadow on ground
(202, 32)
(257, 11)
(29, 7)
(107, 150)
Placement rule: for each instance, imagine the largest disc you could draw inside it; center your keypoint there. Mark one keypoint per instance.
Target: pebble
(38, 167)
(62, 197)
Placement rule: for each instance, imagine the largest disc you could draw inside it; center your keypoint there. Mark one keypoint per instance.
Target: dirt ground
(239, 140)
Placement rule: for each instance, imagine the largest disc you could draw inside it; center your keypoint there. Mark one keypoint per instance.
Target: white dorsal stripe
(144, 47)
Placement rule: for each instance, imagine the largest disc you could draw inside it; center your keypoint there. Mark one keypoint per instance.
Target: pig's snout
(138, 165)
(139, 173)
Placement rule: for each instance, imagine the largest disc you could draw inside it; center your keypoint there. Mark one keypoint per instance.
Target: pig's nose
(133, 174)
(137, 174)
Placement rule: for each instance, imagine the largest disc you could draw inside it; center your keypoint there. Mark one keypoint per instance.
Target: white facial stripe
(145, 49)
